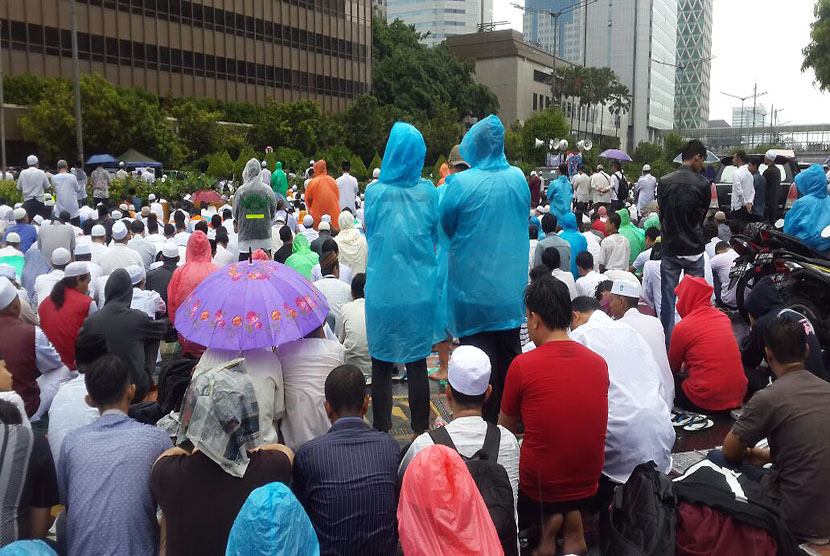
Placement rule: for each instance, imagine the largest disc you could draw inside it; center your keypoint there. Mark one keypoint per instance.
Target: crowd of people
(574, 330)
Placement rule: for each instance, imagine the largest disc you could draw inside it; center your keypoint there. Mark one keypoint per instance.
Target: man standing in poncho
(635, 236)
(279, 182)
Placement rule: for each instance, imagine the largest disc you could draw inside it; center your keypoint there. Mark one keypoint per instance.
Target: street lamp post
(755, 94)
(79, 138)
(2, 117)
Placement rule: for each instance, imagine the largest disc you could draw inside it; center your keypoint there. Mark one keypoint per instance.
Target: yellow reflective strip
(254, 216)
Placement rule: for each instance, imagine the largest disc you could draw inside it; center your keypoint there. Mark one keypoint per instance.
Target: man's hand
(748, 207)
(758, 456)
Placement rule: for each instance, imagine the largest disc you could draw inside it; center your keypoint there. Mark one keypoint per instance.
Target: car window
(729, 172)
(784, 177)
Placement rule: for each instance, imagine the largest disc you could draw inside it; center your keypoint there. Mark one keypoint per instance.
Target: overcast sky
(753, 40)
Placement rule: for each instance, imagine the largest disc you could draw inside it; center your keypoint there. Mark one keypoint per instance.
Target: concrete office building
(379, 9)
(694, 52)
(744, 117)
(230, 50)
(441, 18)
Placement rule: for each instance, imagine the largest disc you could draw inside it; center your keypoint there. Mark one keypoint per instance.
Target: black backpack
(492, 482)
(173, 381)
(643, 516)
(622, 188)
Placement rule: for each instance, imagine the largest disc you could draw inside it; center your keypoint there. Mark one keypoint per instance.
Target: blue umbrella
(98, 159)
(615, 154)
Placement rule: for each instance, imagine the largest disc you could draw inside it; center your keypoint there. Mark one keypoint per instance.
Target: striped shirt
(347, 481)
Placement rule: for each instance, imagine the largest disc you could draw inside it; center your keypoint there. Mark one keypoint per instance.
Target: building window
(535, 102)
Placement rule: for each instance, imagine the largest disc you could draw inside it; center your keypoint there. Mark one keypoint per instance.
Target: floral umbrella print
(250, 305)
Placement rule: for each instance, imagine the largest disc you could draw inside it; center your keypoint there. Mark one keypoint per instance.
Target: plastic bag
(27, 548)
(440, 509)
(272, 522)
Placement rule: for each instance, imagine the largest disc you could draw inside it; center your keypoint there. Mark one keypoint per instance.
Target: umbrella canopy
(250, 305)
(102, 159)
(206, 196)
(615, 154)
(711, 158)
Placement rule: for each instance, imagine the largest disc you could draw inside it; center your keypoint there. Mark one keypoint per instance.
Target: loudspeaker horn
(537, 143)
(584, 145)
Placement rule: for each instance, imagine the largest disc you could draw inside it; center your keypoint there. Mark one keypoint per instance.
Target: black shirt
(683, 197)
(773, 177)
(284, 252)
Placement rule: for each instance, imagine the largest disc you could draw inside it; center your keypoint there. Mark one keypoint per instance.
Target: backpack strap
(441, 437)
(492, 440)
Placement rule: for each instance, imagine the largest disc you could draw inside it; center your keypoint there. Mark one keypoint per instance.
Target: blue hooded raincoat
(810, 214)
(570, 233)
(560, 195)
(401, 217)
(272, 522)
(442, 252)
(484, 213)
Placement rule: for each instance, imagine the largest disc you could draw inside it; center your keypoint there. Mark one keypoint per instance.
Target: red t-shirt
(560, 391)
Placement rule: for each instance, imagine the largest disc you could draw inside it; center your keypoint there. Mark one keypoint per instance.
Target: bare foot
(439, 375)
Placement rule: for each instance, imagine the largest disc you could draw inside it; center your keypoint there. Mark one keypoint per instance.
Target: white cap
(131, 207)
(49, 202)
(60, 256)
(78, 268)
(123, 207)
(308, 221)
(98, 231)
(720, 215)
(170, 250)
(12, 237)
(646, 167)
(325, 218)
(38, 219)
(119, 230)
(8, 292)
(376, 173)
(626, 288)
(8, 271)
(770, 155)
(31, 160)
(83, 248)
(469, 371)
(599, 167)
(546, 209)
(19, 213)
(136, 273)
(116, 215)
(540, 209)
(324, 226)
(151, 197)
(264, 163)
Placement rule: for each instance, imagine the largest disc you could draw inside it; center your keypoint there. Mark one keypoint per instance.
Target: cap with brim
(7, 292)
(455, 157)
(98, 231)
(119, 230)
(626, 288)
(78, 268)
(12, 237)
(8, 271)
(170, 250)
(123, 207)
(19, 213)
(136, 273)
(469, 371)
(83, 248)
(61, 256)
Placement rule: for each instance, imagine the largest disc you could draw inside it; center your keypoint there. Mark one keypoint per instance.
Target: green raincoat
(303, 258)
(635, 236)
(279, 183)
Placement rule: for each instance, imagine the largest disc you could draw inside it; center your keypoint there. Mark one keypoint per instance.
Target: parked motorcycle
(801, 274)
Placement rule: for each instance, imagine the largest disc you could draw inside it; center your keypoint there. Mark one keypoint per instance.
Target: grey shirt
(553, 240)
(54, 235)
(32, 182)
(66, 188)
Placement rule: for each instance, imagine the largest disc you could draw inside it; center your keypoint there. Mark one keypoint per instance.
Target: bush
(334, 157)
(375, 163)
(359, 170)
(9, 192)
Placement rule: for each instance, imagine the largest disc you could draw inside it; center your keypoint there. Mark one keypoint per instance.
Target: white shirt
(9, 251)
(118, 255)
(145, 249)
(615, 184)
(568, 279)
(158, 210)
(639, 421)
(345, 273)
(582, 188)
(645, 188)
(352, 335)
(600, 187)
(66, 188)
(467, 433)
(347, 184)
(533, 243)
(32, 182)
(44, 284)
(651, 329)
(743, 187)
(223, 256)
(721, 265)
(337, 293)
(148, 301)
(615, 252)
(587, 285)
(265, 174)
(593, 247)
(709, 248)
(181, 238)
(641, 259)
(68, 412)
(305, 365)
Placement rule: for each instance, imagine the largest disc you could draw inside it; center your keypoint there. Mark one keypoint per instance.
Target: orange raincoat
(322, 196)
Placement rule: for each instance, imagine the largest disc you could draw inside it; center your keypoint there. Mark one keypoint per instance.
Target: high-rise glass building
(694, 50)
(441, 18)
(570, 34)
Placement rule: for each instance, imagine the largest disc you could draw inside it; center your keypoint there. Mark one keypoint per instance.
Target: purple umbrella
(615, 154)
(249, 305)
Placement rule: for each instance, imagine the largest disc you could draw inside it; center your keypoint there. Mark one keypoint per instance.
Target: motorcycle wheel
(811, 310)
(742, 290)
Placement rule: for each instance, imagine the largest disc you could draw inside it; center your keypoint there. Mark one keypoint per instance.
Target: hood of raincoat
(812, 181)
(300, 245)
(625, 217)
(279, 166)
(693, 294)
(483, 146)
(119, 288)
(272, 522)
(198, 248)
(441, 510)
(252, 170)
(320, 168)
(403, 160)
(653, 221)
(568, 223)
(763, 298)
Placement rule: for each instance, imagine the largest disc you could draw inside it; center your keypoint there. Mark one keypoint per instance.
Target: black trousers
(418, 383)
(34, 207)
(501, 346)
(75, 221)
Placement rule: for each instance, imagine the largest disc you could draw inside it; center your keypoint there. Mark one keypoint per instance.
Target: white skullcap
(646, 167)
(131, 207)
(31, 160)
(533, 172)
(626, 288)
(264, 163)
(116, 215)
(83, 248)
(12, 237)
(540, 208)
(324, 226)
(136, 273)
(123, 207)
(19, 213)
(599, 167)
(38, 219)
(326, 218)
(546, 209)
(308, 221)
(170, 250)
(376, 173)
(8, 271)
(98, 231)
(720, 215)
(77, 268)
(49, 202)
(60, 257)
(151, 197)
(8, 292)
(469, 371)
(119, 230)
(770, 155)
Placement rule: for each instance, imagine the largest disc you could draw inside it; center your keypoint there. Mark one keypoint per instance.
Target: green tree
(220, 165)
(334, 157)
(25, 89)
(366, 124)
(300, 125)
(672, 145)
(817, 53)
(647, 153)
(245, 155)
(359, 170)
(375, 163)
(291, 159)
(545, 125)
(198, 129)
(441, 132)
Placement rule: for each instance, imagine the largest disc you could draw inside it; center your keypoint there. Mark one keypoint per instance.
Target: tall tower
(441, 18)
(694, 49)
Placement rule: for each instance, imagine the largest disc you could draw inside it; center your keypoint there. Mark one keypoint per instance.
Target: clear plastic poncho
(484, 213)
(272, 522)
(402, 271)
(810, 214)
